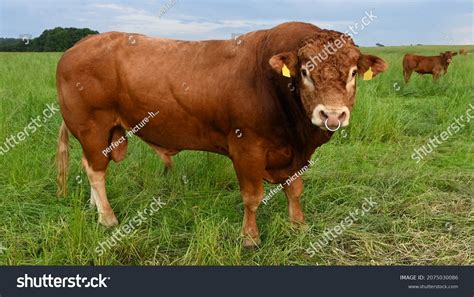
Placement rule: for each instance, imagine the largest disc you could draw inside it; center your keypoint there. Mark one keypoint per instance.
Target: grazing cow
(463, 52)
(435, 65)
(266, 100)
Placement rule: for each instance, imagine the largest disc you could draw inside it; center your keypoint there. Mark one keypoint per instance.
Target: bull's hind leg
(165, 156)
(99, 195)
(95, 163)
(407, 75)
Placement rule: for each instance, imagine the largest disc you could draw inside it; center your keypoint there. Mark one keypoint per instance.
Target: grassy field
(423, 215)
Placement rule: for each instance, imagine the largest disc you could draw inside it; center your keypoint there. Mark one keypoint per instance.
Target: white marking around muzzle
(316, 117)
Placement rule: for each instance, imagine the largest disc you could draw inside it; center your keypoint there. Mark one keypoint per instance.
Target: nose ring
(332, 130)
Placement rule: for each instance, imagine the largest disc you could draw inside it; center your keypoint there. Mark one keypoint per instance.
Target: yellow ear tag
(285, 71)
(368, 74)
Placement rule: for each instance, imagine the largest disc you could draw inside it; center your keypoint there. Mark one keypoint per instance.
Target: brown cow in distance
(435, 65)
(228, 97)
(463, 52)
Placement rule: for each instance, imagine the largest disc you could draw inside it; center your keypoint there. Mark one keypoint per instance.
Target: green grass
(424, 213)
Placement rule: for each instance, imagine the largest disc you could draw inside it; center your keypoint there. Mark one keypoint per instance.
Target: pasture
(423, 213)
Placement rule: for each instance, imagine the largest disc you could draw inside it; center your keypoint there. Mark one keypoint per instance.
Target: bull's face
(448, 56)
(325, 71)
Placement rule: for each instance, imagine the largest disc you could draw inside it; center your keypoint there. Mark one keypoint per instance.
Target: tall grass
(423, 213)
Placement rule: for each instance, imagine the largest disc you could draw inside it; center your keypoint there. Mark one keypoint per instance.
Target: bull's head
(325, 69)
(448, 56)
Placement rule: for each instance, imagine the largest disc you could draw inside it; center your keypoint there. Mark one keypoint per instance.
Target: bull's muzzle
(330, 118)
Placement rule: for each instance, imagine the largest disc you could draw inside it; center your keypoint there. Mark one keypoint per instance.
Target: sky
(393, 22)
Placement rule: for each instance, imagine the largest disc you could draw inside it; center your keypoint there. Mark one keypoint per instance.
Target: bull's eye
(354, 73)
(304, 72)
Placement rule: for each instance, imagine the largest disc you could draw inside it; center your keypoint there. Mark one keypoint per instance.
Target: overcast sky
(396, 22)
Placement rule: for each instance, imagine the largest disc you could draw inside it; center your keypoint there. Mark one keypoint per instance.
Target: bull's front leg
(293, 193)
(252, 195)
(249, 167)
(436, 74)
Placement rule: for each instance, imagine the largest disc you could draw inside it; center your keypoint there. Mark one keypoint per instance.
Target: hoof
(167, 170)
(250, 242)
(299, 226)
(296, 217)
(108, 220)
(297, 221)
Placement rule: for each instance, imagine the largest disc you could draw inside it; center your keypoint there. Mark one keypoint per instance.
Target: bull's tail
(62, 160)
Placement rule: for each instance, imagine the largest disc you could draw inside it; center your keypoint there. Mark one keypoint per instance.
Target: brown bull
(435, 65)
(227, 97)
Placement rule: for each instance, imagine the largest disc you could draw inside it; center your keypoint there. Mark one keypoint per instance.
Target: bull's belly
(423, 71)
(162, 121)
(179, 136)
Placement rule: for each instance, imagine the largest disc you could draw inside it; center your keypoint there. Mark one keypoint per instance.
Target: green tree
(52, 40)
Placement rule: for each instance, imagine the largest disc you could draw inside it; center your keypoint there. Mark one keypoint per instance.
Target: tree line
(52, 40)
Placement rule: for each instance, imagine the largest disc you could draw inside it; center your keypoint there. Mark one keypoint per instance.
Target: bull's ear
(279, 61)
(375, 63)
(454, 53)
